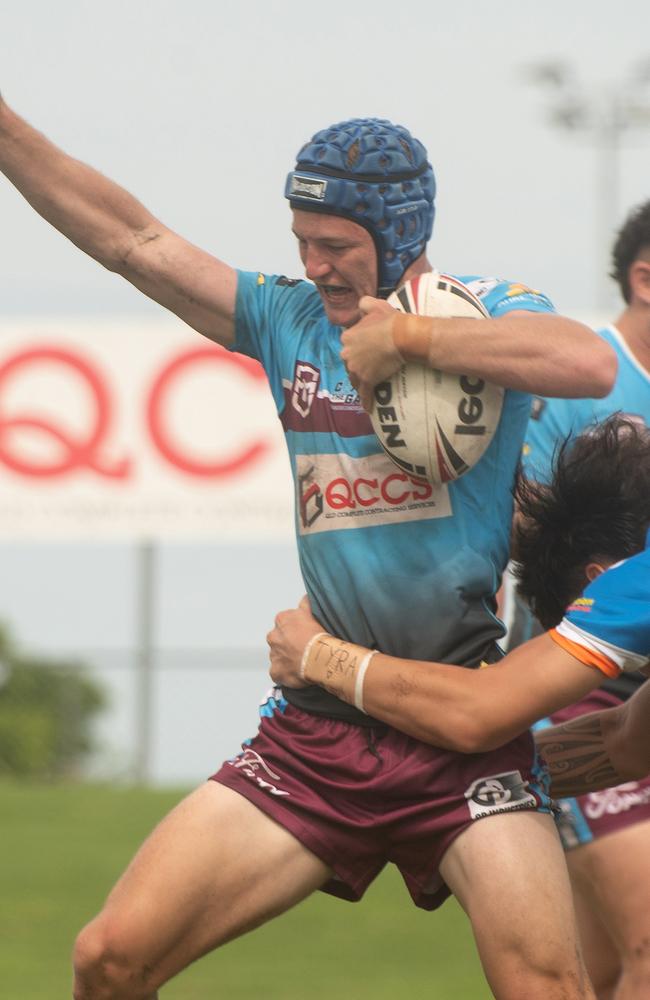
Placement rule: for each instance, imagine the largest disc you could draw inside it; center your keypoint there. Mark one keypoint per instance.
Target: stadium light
(606, 116)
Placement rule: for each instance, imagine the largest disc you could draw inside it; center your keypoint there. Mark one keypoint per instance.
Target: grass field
(63, 846)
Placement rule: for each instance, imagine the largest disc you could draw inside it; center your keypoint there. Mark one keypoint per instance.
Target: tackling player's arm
(601, 749)
(534, 352)
(470, 711)
(107, 223)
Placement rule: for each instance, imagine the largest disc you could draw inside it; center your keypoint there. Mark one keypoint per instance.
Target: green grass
(62, 847)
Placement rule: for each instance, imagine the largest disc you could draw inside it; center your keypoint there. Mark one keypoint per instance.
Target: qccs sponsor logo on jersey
(339, 491)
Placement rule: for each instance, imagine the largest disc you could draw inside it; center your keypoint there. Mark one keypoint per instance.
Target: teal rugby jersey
(554, 419)
(609, 626)
(388, 562)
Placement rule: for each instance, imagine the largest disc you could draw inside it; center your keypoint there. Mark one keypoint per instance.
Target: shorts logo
(306, 379)
(338, 491)
(613, 801)
(253, 766)
(498, 793)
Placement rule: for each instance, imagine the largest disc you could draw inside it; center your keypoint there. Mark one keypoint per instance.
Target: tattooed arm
(599, 750)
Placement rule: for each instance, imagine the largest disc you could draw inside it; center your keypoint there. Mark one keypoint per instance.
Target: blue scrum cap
(376, 174)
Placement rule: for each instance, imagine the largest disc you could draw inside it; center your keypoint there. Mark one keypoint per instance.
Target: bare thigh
(509, 874)
(613, 876)
(600, 953)
(214, 868)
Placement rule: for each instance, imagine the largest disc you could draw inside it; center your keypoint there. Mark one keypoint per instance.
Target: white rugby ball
(432, 424)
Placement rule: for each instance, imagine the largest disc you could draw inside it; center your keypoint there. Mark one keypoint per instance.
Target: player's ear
(592, 570)
(639, 278)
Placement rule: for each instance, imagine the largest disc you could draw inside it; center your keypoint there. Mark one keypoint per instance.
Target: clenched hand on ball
(369, 351)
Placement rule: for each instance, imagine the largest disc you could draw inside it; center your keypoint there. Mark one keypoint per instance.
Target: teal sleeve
(501, 297)
(269, 313)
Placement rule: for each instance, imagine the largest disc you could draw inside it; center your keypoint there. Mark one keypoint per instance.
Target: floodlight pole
(607, 136)
(145, 602)
(606, 117)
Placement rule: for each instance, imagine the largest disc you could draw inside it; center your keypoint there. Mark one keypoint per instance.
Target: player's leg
(613, 874)
(214, 868)
(601, 955)
(509, 874)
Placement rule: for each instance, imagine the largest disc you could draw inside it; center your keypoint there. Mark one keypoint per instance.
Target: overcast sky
(199, 107)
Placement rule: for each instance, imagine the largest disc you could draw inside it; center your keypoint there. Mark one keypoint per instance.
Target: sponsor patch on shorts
(498, 793)
(254, 767)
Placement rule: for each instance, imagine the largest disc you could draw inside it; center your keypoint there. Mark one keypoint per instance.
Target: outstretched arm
(107, 223)
(600, 749)
(470, 711)
(541, 353)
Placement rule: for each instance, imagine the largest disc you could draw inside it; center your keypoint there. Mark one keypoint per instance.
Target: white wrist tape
(358, 683)
(306, 652)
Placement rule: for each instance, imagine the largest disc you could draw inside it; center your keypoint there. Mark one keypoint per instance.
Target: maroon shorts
(597, 814)
(359, 798)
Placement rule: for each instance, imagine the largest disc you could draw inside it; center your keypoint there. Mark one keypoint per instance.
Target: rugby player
(606, 836)
(317, 799)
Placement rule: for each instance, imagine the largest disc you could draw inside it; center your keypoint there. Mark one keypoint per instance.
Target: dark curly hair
(596, 508)
(633, 237)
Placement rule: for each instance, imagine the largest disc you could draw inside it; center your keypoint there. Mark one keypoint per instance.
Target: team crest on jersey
(483, 286)
(499, 793)
(285, 282)
(306, 380)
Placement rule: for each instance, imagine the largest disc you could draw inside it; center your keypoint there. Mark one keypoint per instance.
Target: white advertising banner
(128, 429)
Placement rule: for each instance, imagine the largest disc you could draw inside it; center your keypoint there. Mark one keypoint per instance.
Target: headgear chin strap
(376, 174)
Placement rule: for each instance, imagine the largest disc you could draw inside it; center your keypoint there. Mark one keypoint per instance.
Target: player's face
(340, 258)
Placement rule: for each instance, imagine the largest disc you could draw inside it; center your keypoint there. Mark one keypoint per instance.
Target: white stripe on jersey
(626, 660)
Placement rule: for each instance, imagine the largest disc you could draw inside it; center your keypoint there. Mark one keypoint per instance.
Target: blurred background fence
(94, 713)
(146, 543)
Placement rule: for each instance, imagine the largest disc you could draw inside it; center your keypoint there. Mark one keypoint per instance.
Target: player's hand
(287, 640)
(368, 349)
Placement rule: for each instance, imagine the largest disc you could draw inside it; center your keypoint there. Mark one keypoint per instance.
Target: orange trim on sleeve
(589, 656)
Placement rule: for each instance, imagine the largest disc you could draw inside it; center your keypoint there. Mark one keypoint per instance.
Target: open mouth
(334, 293)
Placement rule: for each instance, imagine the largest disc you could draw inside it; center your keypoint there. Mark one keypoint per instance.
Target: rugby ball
(432, 424)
